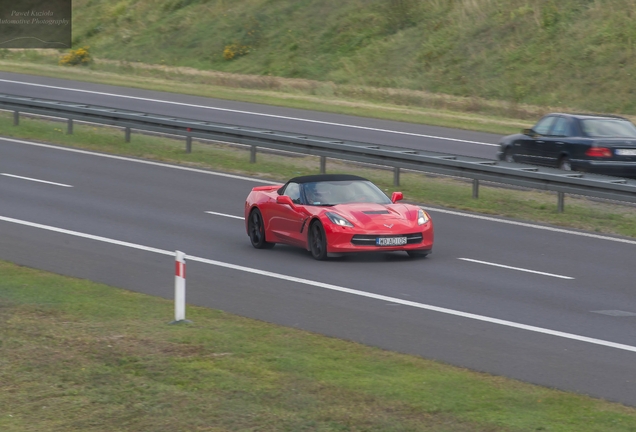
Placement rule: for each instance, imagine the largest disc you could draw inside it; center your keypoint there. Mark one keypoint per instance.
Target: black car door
(556, 142)
(530, 148)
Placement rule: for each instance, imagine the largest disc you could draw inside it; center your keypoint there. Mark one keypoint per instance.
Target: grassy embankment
(79, 356)
(570, 53)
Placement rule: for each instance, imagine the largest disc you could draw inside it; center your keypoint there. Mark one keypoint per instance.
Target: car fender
(310, 220)
(509, 139)
(506, 143)
(248, 211)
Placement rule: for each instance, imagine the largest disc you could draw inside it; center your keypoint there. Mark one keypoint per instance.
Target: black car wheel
(564, 164)
(508, 156)
(318, 241)
(256, 231)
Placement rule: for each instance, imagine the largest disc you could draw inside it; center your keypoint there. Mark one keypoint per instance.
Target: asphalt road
(561, 313)
(342, 127)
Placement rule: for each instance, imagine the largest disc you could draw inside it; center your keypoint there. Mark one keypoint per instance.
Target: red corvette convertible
(335, 213)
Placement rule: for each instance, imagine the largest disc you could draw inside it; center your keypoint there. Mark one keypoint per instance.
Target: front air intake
(376, 212)
(370, 240)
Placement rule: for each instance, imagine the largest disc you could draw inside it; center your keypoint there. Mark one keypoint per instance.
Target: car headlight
(422, 217)
(338, 220)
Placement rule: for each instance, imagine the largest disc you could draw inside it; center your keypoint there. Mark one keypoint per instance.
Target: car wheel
(564, 164)
(508, 157)
(417, 254)
(256, 231)
(318, 241)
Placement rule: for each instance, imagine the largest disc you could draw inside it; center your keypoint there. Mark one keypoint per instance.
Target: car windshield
(328, 193)
(608, 128)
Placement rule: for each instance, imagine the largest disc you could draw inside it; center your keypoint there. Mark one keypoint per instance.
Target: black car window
(293, 191)
(543, 126)
(562, 127)
(329, 193)
(608, 128)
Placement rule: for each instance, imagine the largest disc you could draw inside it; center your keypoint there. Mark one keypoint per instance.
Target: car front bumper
(340, 240)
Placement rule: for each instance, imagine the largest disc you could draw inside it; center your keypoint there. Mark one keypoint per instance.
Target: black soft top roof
(325, 177)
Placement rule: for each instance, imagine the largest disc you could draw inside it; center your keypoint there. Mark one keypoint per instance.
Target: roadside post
(179, 289)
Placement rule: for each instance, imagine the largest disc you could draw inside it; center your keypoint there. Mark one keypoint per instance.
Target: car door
(556, 142)
(286, 222)
(530, 148)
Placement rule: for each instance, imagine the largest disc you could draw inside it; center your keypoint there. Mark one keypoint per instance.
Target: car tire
(417, 254)
(507, 156)
(565, 164)
(317, 241)
(256, 230)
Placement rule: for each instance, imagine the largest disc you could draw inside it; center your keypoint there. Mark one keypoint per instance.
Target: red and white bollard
(179, 288)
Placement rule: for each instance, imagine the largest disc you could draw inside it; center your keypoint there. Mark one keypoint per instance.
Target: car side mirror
(397, 196)
(284, 199)
(528, 132)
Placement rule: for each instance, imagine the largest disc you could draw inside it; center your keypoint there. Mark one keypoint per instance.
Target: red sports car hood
(375, 216)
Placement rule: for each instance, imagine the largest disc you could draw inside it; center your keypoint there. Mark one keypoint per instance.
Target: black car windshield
(328, 193)
(608, 128)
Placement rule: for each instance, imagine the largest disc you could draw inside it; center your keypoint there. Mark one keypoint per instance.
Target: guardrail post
(188, 144)
(127, 134)
(253, 154)
(69, 127)
(396, 176)
(323, 164)
(560, 201)
(475, 188)
(16, 118)
(179, 289)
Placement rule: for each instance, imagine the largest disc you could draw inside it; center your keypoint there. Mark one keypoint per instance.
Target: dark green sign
(35, 24)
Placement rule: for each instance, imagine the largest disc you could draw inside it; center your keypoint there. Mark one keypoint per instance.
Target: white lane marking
(456, 213)
(251, 113)
(615, 313)
(141, 161)
(334, 287)
(36, 180)
(515, 268)
(226, 215)
(529, 225)
(86, 236)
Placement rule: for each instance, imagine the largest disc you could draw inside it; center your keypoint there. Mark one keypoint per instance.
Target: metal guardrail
(477, 169)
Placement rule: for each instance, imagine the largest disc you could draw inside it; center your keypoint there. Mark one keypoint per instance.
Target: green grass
(601, 217)
(79, 356)
(567, 53)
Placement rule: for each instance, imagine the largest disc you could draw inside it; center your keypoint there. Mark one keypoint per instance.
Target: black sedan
(590, 143)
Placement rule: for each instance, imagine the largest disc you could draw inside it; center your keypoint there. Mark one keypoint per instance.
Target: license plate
(626, 152)
(390, 241)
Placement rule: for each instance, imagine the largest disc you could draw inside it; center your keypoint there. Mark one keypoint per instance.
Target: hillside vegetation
(574, 53)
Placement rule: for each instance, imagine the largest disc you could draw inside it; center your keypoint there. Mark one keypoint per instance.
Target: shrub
(235, 50)
(80, 56)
